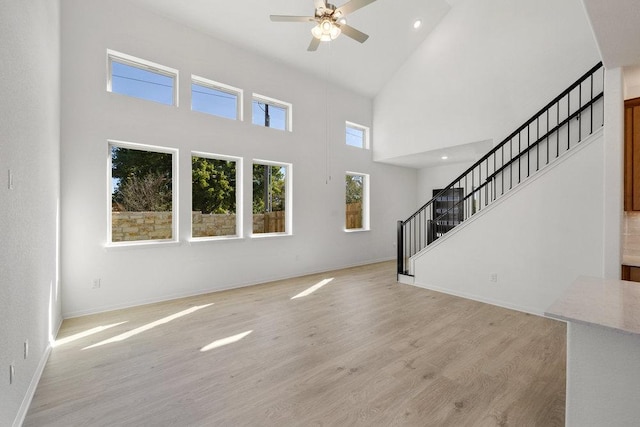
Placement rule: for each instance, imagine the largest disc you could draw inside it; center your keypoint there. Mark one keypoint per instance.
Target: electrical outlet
(493, 277)
(12, 374)
(26, 349)
(96, 283)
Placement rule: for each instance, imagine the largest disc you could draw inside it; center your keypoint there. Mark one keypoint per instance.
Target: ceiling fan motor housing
(325, 12)
(330, 21)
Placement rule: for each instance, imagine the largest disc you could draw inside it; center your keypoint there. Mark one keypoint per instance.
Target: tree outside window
(269, 198)
(142, 194)
(214, 189)
(356, 199)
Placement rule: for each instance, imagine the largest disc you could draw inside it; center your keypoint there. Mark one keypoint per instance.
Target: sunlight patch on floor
(148, 326)
(312, 289)
(87, 333)
(225, 341)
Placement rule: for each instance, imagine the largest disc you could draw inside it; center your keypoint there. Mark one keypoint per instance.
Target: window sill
(356, 230)
(269, 235)
(200, 240)
(141, 244)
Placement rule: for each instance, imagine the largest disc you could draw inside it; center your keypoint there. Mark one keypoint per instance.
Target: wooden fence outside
(269, 222)
(353, 218)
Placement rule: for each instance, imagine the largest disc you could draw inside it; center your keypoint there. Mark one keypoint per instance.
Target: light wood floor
(361, 350)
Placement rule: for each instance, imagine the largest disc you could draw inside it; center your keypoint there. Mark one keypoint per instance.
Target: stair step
(406, 279)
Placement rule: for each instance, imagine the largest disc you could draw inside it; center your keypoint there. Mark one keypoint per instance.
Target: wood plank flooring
(360, 350)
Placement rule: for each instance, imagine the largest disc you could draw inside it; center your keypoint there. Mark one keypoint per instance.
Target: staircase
(553, 131)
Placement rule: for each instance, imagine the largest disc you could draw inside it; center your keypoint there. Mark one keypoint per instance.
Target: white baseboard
(80, 313)
(479, 298)
(33, 385)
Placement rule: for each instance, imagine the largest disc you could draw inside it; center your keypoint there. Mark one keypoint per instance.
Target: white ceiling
(464, 153)
(616, 26)
(364, 68)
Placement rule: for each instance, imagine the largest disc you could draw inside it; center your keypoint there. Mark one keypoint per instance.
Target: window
(357, 135)
(142, 79)
(143, 196)
(357, 201)
(271, 197)
(215, 196)
(271, 113)
(216, 98)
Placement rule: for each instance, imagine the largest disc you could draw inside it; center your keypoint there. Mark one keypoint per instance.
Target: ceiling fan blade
(352, 6)
(320, 4)
(313, 46)
(353, 33)
(286, 18)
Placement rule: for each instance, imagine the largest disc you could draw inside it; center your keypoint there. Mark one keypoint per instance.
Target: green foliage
(143, 179)
(213, 185)
(268, 197)
(146, 194)
(354, 186)
(143, 183)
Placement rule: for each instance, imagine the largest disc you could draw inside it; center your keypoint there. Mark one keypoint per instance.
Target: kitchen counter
(603, 351)
(613, 304)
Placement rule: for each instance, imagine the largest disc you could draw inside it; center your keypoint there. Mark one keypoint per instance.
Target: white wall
(488, 67)
(437, 177)
(631, 77)
(613, 163)
(537, 239)
(90, 116)
(29, 148)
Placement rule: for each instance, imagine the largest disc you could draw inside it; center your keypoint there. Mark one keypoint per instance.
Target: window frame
(287, 106)
(145, 65)
(221, 87)
(175, 238)
(288, 188)
(239, 198)
(366, 144)
(366, 219)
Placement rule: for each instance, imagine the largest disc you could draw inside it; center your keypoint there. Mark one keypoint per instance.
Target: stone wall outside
(136, 226)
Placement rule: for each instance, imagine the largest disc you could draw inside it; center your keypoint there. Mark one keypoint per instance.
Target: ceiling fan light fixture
(334, 32)
(326, 30)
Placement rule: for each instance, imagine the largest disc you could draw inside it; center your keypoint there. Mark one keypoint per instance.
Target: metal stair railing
(562, 124)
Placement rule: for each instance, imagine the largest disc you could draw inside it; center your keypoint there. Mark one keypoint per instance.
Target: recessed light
(444, 157)
(417, 24)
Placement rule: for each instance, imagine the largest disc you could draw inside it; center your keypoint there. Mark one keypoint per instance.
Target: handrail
(514, 133)
(545, 136)
(492, 172)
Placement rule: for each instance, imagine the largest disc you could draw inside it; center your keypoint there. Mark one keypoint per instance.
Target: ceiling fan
(330, 21)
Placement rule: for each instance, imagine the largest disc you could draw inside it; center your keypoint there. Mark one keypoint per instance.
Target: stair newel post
(400, 248)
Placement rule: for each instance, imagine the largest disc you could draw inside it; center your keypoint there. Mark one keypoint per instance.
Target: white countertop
(613, 304)
(632, 260)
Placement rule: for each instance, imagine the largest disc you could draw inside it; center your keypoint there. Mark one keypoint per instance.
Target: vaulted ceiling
(364, 68)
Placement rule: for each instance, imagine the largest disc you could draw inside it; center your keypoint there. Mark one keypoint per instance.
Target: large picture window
(271, 198)
(143, 79)
(215, 196)
(143, 202)
(357, 201)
